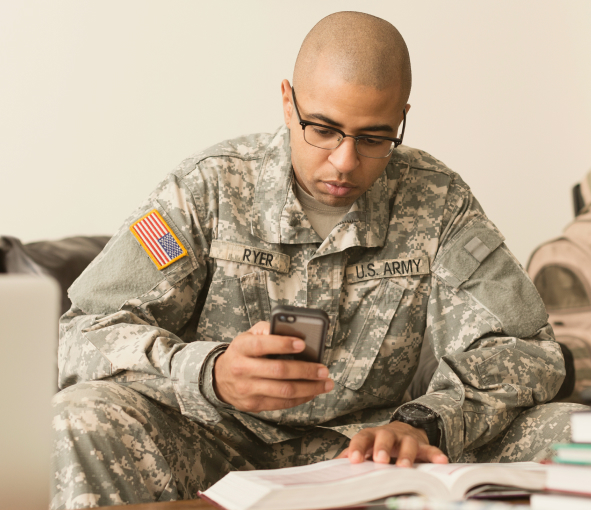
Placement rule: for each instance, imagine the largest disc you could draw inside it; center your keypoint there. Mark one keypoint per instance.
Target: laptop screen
(28, 375)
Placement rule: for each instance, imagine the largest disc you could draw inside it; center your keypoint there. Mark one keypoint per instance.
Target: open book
(338, 483)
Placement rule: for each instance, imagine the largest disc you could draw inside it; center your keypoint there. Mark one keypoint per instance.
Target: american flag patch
(157, 238)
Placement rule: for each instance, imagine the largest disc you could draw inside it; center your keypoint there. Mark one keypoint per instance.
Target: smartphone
(309, 324)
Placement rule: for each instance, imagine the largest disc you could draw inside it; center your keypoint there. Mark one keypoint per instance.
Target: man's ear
(286, 97)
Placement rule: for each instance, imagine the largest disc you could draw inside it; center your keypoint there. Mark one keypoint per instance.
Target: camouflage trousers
(114, 446)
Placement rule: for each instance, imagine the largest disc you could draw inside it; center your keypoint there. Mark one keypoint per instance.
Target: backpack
(561, 271)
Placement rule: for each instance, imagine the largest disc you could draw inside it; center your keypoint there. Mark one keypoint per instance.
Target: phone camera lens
(282, 318)
(291, 318)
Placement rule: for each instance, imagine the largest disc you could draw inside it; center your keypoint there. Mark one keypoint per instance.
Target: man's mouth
(338, 189)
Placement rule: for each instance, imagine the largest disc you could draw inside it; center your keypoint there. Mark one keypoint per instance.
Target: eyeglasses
(329, 138)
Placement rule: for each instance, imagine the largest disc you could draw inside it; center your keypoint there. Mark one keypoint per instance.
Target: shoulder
(234, 152)
(419, 160)
(416, 171)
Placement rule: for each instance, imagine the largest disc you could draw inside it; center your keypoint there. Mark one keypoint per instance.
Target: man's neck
(322, 217)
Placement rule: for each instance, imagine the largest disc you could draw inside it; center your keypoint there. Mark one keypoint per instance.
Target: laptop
(28, 372)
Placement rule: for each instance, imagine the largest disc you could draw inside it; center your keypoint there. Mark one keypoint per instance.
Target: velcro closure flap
(470, 247)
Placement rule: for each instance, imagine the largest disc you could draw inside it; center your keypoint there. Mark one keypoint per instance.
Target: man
(164, 352)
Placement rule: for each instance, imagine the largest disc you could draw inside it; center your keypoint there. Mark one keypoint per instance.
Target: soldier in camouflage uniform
(167, 387)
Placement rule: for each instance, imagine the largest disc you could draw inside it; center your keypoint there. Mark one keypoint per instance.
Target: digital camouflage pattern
(530, 436)
(250, 247)
(152, 453)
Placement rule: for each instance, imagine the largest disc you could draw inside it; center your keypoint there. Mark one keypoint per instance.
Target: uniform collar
(278, 216)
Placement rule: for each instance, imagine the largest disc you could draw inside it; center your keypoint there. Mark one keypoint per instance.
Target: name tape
(235, 252)
(387, 269)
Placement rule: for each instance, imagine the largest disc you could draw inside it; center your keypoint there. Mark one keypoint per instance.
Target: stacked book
(568, 478)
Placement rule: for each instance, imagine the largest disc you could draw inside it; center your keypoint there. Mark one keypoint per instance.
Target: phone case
(309, 324)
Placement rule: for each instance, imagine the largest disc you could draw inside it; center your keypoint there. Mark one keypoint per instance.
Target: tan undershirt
(322, 217)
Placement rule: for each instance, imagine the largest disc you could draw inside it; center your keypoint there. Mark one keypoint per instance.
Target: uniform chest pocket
(233, 305)
(366, 311)
(256, 297)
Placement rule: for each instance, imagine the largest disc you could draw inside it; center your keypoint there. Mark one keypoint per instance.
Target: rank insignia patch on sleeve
(158, 239)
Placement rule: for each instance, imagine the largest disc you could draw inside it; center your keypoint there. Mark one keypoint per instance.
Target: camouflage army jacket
(414, 258)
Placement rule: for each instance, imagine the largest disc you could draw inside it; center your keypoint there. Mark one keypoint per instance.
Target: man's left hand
(395, 439)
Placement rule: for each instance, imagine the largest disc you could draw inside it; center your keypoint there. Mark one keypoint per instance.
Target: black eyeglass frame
(396, 141)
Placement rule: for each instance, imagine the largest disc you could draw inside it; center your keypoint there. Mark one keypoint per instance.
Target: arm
(489, 331)
(133, 323)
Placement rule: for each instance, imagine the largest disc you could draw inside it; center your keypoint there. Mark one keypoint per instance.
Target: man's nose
(345, 158)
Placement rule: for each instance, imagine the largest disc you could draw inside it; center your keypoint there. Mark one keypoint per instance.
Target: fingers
(256, 342)
(280, 369)
(261, 328)
(247, 379)
(361, 444)
(410, 450)
(384, 445)
(395, 440)
(344, 454)
(290, 391)
(407, 451)
(431, 454)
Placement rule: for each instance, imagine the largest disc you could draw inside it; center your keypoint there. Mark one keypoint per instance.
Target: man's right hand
(246, 379)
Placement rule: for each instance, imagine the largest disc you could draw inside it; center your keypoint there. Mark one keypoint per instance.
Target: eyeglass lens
(326, 138)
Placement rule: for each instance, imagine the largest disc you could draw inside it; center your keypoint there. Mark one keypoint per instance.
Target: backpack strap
(582, 195)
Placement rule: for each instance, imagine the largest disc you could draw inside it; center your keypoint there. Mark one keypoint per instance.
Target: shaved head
(357, 48)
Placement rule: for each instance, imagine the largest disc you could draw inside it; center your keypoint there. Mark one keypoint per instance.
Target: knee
(85, 393)
(546, 424)
(101, 448)
(95, 407)
(553, 414)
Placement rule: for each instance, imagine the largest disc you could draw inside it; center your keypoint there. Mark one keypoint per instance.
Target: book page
(461, 477)
(457, 469)
(326, 472)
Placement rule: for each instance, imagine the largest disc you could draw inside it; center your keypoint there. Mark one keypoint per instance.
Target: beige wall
(99, 99)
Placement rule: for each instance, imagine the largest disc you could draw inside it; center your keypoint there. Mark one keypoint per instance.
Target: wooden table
(199, 504)
(195, 504)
